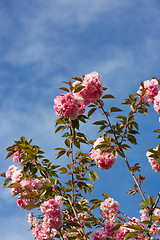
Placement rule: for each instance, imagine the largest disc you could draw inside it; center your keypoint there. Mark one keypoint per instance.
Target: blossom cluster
(154, 162)
(73, 104)
(69, 105)
(52, 219)
(110, 210)
(150, 93)
(105, 159)
(149, 90)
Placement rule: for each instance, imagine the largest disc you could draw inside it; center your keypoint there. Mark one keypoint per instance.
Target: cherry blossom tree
(60, 209)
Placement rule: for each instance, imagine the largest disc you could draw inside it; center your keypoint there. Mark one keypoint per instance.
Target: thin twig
(125, 158)
(157, 200)
(72, 133)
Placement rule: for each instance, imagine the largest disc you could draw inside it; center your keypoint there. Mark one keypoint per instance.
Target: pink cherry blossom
(150, 91)
(52, 219)
(144, 215)
(98, 235)
(92, 90)
(16, 176)
(16, 155)
(69, 105)
(8, 174)
(157, 213)
(106, 158)
(154, 162)
(109, 209)
(157, 103)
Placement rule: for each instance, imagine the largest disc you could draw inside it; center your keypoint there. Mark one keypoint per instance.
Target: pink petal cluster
(105, 159)
(98, 235)
(92, 90)
(151, 89)
(28, 186)
(16, 155)
(39, 231)
(52, 219)
(109, 209)
(157, 213)
(154, 163)
(123, 230)
(69, 105)
(157, 103)
(73, 104)
(144, 215)
(14, 173)
(83, 217)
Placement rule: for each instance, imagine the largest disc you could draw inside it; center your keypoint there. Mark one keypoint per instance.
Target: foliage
(65, 211)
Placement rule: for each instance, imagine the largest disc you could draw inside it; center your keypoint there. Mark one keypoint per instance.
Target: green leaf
(127, 101)
(101, 128)
(151, 200)
(154, 218)
(157, 130)
(92, 177)
(59, 148)
(115, 109)
(116, 227)
(14, 185)
(64, 89)
(145, 203)
(108, 96)
(102, 122)
(136, 227)
(63, 170)
(31, 206)
(95, 174)
(95, 205)
(78, 88)
(23, 139)
(75, 124)
(91, 111)
(60, 128)
(67, 142)
(9, 154)
(147, 222)
(6, 182)
(105, 195)
(95, 201)
(122, 116)
(60, 153)
(130, 235)
(132, 139)
(77, 79)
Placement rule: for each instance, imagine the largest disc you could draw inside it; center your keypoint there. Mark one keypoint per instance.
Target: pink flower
(157, 103)
(144, 216)
(16, 155)
(69, 105)
(154, 162)
(150, 91)
(16, 176)
(98, 235)
(8, 174)
(20, 203)
(52, 219)
(12, 168)
(106, 158)
(92, 90)
(52, 213)
(109, 209)
(157, 213)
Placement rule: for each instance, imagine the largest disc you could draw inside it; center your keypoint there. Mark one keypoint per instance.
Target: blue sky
(45, 42)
